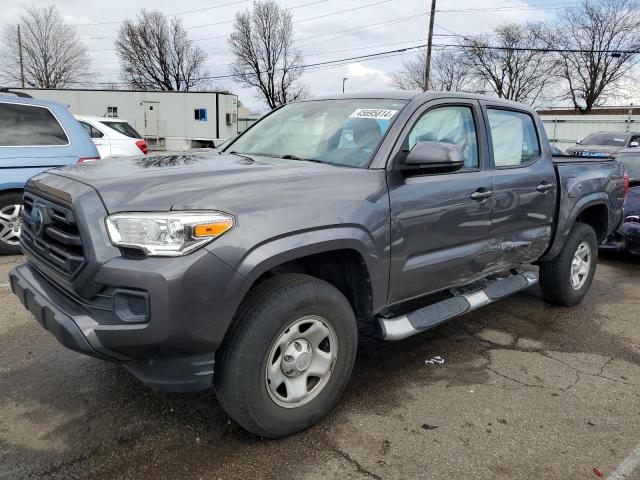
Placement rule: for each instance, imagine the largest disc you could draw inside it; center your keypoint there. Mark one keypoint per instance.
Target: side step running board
(422, 319)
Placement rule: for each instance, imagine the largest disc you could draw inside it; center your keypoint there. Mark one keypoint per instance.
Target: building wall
(164, 118)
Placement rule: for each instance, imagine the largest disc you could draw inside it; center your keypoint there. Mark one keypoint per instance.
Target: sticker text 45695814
(374, 113)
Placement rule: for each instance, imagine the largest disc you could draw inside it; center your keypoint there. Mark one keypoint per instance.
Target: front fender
(278, 251)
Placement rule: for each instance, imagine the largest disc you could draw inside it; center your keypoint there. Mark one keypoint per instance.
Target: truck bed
(575, 159)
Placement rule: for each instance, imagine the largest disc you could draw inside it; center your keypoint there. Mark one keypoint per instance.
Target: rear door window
(514, 137)
(29, 126)
(91, 130)
(124, 128)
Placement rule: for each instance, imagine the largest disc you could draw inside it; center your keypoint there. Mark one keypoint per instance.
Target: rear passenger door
(439, 233)
(524, 184)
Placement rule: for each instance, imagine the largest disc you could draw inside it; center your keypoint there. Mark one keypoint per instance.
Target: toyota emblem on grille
(37, 220)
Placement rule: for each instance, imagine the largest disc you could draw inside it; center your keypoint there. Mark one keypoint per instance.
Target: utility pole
(427, 64)
(20, 55)
(344, 80)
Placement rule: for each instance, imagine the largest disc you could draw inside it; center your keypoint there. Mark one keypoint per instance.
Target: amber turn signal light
(211, 229)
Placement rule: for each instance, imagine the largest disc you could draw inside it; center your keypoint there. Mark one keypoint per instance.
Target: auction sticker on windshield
(375, 113)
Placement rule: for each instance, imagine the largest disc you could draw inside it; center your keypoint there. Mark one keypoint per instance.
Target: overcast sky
(380, 25)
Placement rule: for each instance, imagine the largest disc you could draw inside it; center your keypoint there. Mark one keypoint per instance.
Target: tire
(556, 275)
(9, 221)
(242, 381)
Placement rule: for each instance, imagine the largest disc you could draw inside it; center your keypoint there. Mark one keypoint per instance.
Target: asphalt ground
(526, 390)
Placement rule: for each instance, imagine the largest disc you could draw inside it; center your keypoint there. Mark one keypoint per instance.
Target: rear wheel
(566, 279)
(288, 356)
(10, 223)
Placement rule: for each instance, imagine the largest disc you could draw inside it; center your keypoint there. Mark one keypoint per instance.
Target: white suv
(113, 137)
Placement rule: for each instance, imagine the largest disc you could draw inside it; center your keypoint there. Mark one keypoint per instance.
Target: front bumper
(192, 300)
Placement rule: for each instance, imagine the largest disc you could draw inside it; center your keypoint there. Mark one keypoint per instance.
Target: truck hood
(189, 181)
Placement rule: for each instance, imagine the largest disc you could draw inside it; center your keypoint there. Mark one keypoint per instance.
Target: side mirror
(434, 157)
(634, 144)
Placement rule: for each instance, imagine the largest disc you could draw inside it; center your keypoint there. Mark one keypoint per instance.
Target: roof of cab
(415, 94)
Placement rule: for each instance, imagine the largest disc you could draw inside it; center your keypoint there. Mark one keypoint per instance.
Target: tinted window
(631, 164)
(515, 141)
(449, 125)
(124, 128)
(339, 132)
(609, 139)
(28, 125)
(92, 131)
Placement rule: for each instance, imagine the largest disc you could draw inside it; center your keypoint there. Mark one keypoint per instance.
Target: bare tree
(265, 55)
(156, 53)
(53, 55)
(448, 73)
(588, 35)
(513, 62)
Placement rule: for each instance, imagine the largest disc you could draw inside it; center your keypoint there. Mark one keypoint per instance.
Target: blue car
(627, 238)
(35, 135)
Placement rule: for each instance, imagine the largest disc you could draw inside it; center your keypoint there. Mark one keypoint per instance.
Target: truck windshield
(338, 132)
(631, 164)
(609, 139)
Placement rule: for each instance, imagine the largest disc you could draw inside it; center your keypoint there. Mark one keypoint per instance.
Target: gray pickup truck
(255, 268)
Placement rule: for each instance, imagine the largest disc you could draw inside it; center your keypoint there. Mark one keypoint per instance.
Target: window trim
(486, 108)
(66, 134)
(429, 106)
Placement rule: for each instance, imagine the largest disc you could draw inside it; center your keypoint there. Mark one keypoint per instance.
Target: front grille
(52, 234)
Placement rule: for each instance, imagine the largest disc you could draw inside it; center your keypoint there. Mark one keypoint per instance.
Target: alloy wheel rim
(580, 266)
(10, 224)
(301, 361)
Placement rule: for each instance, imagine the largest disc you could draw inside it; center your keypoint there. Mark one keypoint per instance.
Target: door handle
(544, 187)
(481, 194)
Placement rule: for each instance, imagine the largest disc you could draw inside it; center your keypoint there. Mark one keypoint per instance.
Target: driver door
(439, 233)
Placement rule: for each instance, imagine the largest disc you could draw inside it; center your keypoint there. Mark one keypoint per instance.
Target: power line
(168, 15)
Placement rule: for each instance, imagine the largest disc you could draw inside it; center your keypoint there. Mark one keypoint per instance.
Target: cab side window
(450, 124)
(514, 137)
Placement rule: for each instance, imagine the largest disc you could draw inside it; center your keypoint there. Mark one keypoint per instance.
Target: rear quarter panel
(583, 185)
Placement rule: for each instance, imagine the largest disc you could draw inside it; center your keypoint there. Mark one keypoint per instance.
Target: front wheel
(566, 279)
(10, 223)
(288, 355)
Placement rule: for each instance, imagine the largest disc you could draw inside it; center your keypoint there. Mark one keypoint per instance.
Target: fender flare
(567, 220)
(280, 250)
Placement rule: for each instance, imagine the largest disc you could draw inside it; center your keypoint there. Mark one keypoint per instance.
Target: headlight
(169, 234)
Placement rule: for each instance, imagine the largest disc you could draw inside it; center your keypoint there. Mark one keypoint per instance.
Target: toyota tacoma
(254, 269)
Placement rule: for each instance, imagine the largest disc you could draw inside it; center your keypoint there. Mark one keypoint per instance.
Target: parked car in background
(114, 137)
(35, 135)
(604, 144)
(627, 238)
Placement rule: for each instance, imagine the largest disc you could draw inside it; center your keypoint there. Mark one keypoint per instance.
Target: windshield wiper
(242, 156)
(293, 157)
